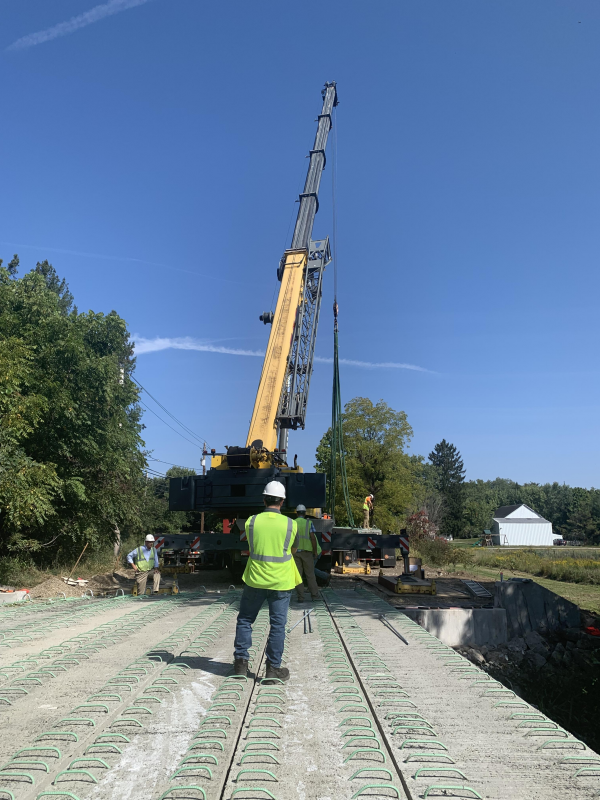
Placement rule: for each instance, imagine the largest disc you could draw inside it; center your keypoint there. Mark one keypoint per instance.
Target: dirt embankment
(55, 586)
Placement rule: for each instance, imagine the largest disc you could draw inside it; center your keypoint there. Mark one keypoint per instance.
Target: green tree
(375, 442)
(71, 456)
(449, 479)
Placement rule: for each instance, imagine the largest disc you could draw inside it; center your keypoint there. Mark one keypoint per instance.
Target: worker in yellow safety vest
(270, 575)
(367, 508)
(144, 561)
(305, 555)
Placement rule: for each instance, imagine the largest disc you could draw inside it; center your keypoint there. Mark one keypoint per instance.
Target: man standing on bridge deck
(270, 575)
(305, 555)
(367, 509)
(144, 561)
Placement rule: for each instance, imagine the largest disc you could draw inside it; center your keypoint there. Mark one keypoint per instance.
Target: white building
(521, 525)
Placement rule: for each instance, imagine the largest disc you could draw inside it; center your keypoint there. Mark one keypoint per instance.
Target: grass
(585, 596)
(25, 575)
(465, 542)
(557, 566)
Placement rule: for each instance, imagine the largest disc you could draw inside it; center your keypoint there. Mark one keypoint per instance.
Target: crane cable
(338, 449)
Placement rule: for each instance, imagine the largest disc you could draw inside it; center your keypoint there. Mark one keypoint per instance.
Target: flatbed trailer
(196, 551)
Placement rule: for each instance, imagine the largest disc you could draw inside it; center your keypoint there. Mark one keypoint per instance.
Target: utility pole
(203, 462)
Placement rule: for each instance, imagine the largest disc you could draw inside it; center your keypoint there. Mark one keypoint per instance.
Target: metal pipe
(389, 625)
(306, 613)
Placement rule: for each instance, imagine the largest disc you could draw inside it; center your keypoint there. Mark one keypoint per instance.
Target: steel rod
(389, 625)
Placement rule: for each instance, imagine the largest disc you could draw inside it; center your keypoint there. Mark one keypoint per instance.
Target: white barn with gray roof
(521, 525)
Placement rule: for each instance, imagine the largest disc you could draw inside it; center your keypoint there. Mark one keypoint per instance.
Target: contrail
(186, 343)
(143, 345)
(75, 23)
(128, 259)
(373, 364)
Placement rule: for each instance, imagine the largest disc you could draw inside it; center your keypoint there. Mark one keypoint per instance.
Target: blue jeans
(250, 605)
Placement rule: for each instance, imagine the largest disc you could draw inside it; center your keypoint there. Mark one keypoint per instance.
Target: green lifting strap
(337, 435)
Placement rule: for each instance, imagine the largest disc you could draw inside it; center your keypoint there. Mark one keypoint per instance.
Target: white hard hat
(150, 538)
(301, 508)
(372, 496)
(275, 489)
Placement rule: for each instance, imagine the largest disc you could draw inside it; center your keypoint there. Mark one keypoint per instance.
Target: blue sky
(153, 150)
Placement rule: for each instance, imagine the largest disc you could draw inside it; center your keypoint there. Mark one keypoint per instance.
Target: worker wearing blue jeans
(252, 600)
(270, 575)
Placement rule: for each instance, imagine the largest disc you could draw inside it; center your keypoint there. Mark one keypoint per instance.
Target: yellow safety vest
(142, 564)
(271, 566)
(303, 541)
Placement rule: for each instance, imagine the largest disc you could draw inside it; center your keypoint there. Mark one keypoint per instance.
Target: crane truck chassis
(196, 492)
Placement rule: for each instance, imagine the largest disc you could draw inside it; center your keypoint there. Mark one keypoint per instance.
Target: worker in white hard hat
(270, 575)
(305, 555)
(144, 561)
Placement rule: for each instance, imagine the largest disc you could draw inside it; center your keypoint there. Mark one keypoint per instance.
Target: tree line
(409, 488)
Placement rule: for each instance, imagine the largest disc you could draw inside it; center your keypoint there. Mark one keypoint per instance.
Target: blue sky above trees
(153, 151)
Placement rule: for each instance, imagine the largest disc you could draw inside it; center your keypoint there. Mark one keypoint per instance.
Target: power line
(155, 474)
(169, 463)
(166, 410)
(169, 426)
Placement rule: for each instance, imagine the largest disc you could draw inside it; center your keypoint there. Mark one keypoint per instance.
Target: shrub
(440, 553)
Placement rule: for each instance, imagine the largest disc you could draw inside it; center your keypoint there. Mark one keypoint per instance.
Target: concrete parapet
(462, 626)
(531, 607)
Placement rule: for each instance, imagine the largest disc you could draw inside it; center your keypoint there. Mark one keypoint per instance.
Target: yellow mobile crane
(234, 484)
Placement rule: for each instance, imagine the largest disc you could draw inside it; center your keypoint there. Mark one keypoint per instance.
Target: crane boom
(282, 394)
(309, 199)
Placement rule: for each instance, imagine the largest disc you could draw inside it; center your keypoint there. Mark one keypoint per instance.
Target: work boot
(282, 673)
(240, 667)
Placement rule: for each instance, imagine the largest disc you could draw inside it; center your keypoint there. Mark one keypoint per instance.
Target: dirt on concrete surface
(124, 579)
(53, 587)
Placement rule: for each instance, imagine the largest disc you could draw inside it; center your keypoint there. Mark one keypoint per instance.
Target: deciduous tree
(71, 455)
(375, 441)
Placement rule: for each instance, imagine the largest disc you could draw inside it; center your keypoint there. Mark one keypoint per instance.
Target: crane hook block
(267, 317)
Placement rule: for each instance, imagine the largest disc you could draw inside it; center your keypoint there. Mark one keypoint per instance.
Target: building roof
(504, 511)
(522, 521)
